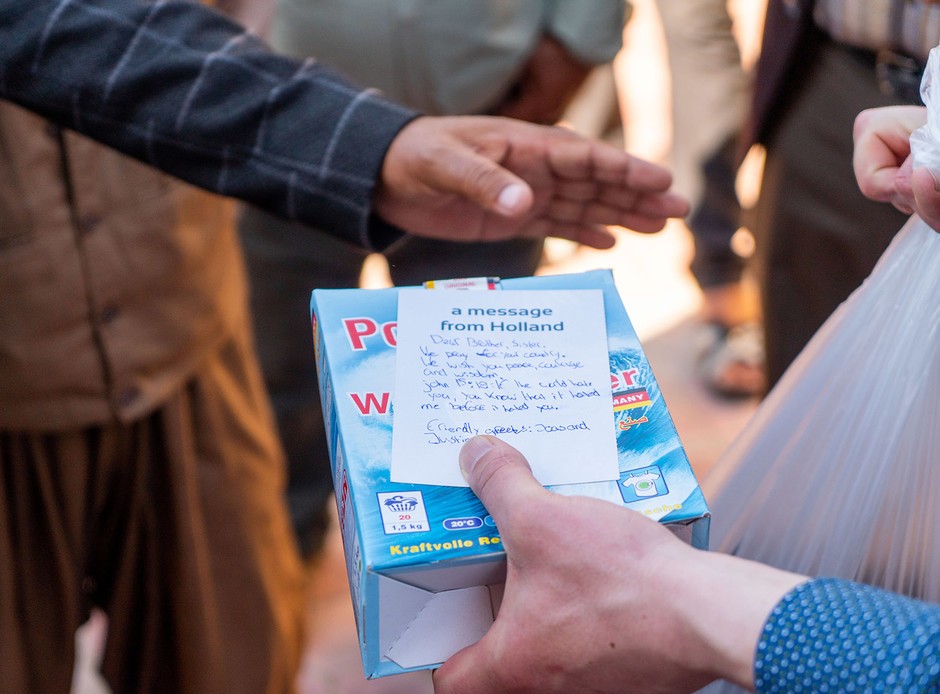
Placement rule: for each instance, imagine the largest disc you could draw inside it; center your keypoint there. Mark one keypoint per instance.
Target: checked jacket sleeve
(180, 87)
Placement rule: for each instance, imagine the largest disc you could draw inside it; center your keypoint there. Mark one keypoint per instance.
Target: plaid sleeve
(832, 635)
(178, 86)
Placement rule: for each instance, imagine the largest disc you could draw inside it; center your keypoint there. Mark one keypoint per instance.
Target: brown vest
(115, 280)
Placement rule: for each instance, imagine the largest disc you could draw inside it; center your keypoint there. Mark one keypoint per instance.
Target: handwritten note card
(528, 366)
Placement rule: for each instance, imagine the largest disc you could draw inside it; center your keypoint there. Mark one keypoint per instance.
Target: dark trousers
(817, 236)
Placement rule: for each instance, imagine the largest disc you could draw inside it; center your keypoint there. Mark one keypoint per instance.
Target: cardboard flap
(419, 628)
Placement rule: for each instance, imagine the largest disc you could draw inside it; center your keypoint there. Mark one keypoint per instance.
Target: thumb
(926, 193)
(501, 477)
(480, 179)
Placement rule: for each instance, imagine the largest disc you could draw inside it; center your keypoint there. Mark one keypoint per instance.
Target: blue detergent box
(425, 563)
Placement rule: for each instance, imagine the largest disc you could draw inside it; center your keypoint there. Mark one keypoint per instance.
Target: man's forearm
(723, 602)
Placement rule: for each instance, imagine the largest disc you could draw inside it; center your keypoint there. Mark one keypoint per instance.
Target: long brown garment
(174, 525)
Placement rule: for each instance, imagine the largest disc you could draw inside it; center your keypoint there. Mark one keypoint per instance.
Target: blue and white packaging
(425, 563)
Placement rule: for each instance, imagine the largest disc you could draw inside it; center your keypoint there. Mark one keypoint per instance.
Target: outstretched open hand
(479, 178)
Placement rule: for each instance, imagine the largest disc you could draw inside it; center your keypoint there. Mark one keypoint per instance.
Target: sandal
(732, 365)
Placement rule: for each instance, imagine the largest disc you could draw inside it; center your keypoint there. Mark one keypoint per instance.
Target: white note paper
(530, 367)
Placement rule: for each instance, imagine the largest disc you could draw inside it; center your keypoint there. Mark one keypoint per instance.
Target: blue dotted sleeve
(832, 635)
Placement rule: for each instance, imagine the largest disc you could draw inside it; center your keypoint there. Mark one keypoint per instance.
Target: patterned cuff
(832, 635)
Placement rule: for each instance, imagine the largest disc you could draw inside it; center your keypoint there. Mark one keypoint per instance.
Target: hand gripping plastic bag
(838, 472)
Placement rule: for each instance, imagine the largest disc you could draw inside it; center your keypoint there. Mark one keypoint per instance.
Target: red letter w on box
(371, 402)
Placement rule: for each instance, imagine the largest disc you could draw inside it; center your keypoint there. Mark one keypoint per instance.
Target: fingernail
(471, 452)
(936, 180)
(510, 197)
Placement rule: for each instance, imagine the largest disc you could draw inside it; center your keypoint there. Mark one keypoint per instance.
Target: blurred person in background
(516, 59)
(817, 237)
(710, 94)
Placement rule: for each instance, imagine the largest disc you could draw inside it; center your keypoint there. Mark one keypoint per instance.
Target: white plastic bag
(838, 473)
(925, 141)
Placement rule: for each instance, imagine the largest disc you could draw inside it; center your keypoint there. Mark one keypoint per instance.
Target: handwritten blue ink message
(530, 367)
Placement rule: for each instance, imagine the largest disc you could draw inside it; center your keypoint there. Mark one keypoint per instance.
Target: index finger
(584, 160)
